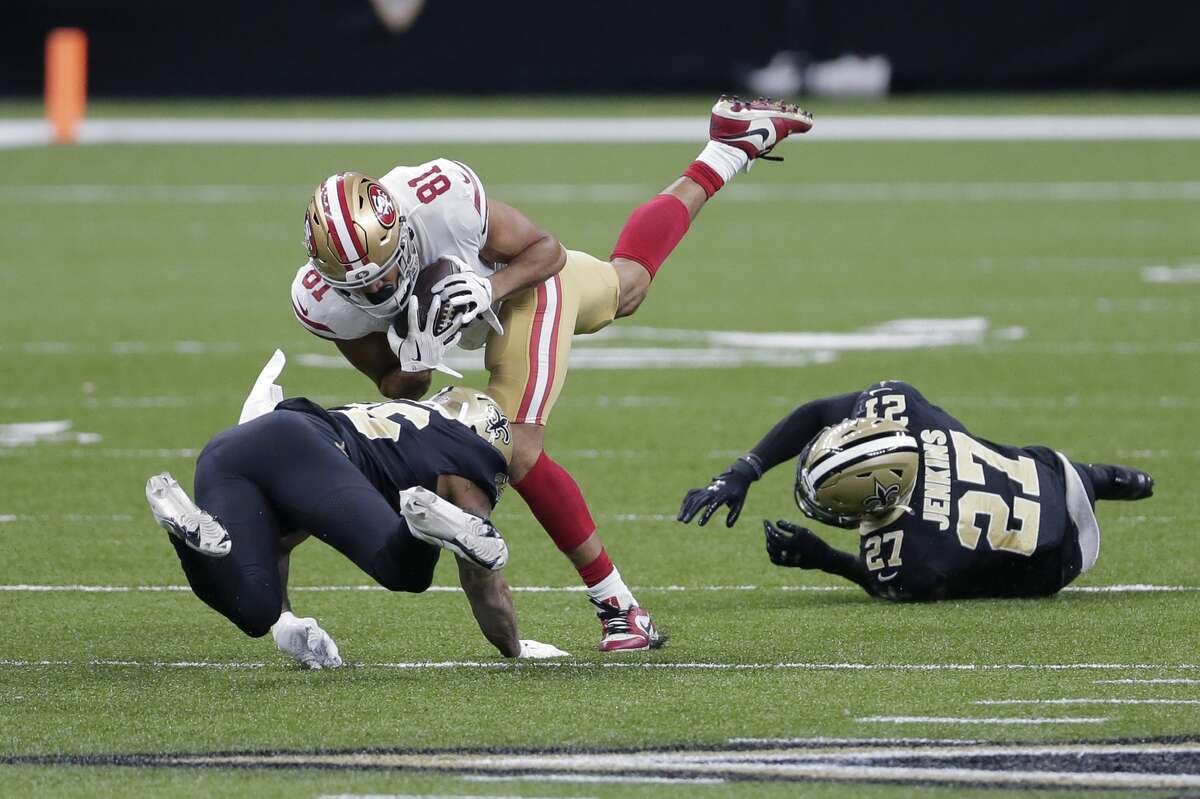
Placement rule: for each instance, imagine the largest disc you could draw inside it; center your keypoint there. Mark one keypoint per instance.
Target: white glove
(305, 641)
(536, 650)
(421, 349)
(265, 395)
(471, 294)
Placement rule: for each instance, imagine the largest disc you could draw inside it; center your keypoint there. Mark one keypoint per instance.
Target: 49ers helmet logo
(381, 202)
(308, 237)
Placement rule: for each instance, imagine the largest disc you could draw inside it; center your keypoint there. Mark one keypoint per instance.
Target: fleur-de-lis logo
(883, 498)
(497, 425)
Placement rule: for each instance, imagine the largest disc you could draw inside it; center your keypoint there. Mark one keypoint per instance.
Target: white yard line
(111, 194)
(532, 130)
(1086, 701)
(1157, 681)
(80, 588)
(975, 720)
(503, 665)
(439, 796)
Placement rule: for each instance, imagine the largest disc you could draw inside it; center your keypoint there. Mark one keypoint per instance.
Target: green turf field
(144, 286)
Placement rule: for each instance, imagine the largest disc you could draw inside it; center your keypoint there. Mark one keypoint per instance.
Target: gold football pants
(528, 364)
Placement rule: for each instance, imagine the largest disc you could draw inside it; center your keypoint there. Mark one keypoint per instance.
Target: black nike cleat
(1121, 482)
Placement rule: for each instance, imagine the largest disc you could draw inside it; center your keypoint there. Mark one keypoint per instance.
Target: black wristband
(754, 462)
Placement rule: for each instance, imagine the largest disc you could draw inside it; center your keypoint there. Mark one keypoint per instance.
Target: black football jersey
(987, 520)
(402, 443)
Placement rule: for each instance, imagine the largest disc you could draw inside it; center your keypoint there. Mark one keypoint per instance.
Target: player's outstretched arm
(373, 356)
(798, 547)
(784, 442)
(532, 254)
(491, 603)
(793, 432)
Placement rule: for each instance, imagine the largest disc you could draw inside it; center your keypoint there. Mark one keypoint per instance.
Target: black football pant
(280, 473)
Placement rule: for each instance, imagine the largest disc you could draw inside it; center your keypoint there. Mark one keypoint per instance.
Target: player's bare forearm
(491, 603)
(372, 356)
(487, 591)
(532, 255)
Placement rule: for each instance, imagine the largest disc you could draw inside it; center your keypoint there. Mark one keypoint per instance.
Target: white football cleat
(175, 512)
(443, 524)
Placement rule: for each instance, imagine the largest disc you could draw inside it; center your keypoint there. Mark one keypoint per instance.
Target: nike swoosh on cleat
(760, 132)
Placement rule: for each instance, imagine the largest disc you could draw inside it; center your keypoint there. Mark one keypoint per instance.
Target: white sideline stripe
(626, 193)
(616, 779)
(1171, 274)
(1160, 681)
(502, 665)
(439, 796)
(976, 720)
(80, 588)
(526, 130)
(930, 748)
(1086, 701)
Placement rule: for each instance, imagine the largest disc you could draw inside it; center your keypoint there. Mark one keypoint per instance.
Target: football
(422, 294)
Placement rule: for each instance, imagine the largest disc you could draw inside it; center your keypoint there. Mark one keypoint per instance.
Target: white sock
(726, 160)
(610, 586)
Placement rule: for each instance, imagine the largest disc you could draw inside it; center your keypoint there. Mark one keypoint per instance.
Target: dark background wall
(338, 47)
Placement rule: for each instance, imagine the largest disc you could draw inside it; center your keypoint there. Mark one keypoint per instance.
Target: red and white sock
(716, 165)
(608, 587)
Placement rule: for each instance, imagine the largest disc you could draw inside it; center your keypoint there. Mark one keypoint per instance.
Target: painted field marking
(1157, 681)
(976, 720)
(505, 665)
(36, 588)
(1109, 765)
(945, 748)
(585, 779)
(1171, 274)
(566, 130)
(439, 796)
(625, 193)
(1086, 701)
(27, 434)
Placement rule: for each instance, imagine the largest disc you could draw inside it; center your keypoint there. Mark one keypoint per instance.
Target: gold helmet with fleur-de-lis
(358, 240)
(479, 412)
(855, 470)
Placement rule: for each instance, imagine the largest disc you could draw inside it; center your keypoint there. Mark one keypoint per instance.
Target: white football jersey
(445, 203)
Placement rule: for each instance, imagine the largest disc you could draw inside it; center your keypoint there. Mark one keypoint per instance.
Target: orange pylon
(66, 81)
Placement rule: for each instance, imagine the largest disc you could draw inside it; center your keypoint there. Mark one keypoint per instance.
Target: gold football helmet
(479, 412)
(360, 243)
(856, 469)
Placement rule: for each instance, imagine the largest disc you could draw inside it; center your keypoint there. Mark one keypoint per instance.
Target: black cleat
(1121, 482)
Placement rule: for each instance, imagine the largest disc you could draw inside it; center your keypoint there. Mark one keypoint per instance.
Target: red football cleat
(756, 126)
(626, 630)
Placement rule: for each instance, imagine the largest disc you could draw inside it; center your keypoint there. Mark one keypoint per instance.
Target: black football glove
(727, 488)
(791, 545)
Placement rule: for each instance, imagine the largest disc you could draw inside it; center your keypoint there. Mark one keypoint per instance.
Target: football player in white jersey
(519, 292)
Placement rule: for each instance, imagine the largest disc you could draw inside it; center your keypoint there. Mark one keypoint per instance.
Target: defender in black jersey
(386, 484)
(941, 513)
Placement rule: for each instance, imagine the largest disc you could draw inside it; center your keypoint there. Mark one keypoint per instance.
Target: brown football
(422, 294)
